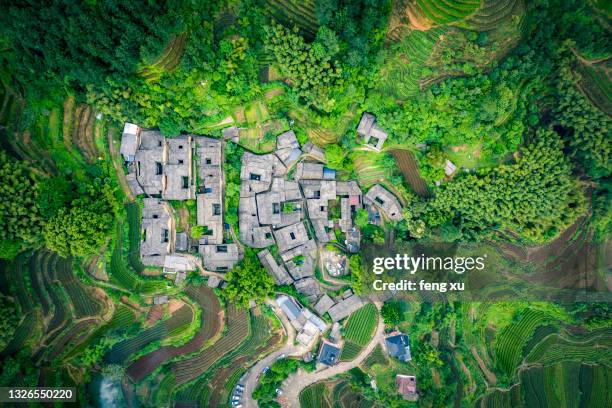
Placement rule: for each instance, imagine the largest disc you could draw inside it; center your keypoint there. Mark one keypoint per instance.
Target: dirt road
(295, 383)
(251, 379)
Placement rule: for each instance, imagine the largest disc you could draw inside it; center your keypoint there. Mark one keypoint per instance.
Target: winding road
(251, 379)
(295, 383)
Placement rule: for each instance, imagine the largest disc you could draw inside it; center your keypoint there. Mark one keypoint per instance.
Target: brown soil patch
(435, 376)
(109, 308)
(126, 301)
(239, 115)
(210, 327)
(410, 170)
(435, 338)
(184, 219)
(156, 313)
(416, 20)
(174, 305)
(151, 272)
(491, 378)
(466, 371)
(274, 92)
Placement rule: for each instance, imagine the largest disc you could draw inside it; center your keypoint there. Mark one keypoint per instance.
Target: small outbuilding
(407, 387)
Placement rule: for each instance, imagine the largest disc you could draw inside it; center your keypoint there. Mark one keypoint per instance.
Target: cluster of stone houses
(186, 167)
(275, 210)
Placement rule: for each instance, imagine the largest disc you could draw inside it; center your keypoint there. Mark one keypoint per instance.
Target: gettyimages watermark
(413, 264)
(441, 271)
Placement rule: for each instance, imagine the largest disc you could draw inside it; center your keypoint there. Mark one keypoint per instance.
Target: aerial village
(284, 213)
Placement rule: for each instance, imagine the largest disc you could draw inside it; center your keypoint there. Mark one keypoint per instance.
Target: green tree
(536, 197)
(357, 273)
(249, 280)
(107, 38)
(587, 129)
(361, 218)
(391, 313)
(310, 67)
(53, 194)
(335, 156)
(83, 228)
(20, 221)
(8, 321)
(378, 236)
(265, 393)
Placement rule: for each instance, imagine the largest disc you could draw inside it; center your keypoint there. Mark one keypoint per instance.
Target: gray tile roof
(179, 183)
(220, 258)
(150, 162)
(322, 231)
(251, 232)
(372, 134)
(308, 248)
(291, 236)
(315, 152)
(287, 140)
(175, 263)
(257, 172)
(365, 124)
(323, 305)
(157, 232)
(302, 269)
(278, 272)
(376, 138)
(385, 201)
(129, 141)
(133, 184)
(308, 171)
(308, 287)
(289, 307)
(344, 308)
(288, 148)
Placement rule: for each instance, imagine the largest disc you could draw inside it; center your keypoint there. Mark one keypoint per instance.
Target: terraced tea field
(299, 13)
(358, 331)
(210, 326)
(447, 11)
(493, 13)
(238, 328)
